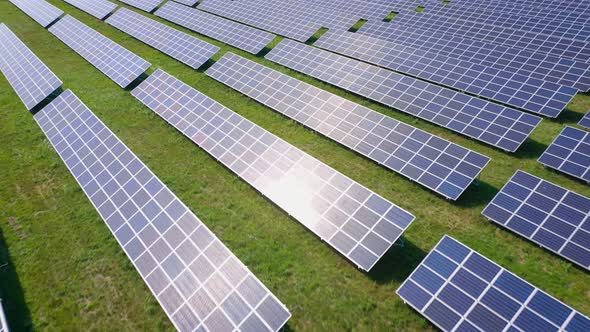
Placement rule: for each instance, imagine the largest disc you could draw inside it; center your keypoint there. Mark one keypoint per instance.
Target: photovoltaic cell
(3, 321)
(558, 46)
(27, 75)
(119, 64)
(355, 221)
(179, 45)
(485, 121)
(536, 65)
(199, 283)
(569, 153)
(444, 167)
(145, 5)
(39, 10)
(97, 8)
(551, 216)
(458, 289)
(520, 91)
(235, 34)
(585, 120)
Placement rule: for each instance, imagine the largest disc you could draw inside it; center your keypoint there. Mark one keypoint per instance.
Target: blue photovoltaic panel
(356, 222)
(235, 34)
(458, 289)
(179, 45)
(536, 65)
(115, 61)
(27, 75)
(199, 283)
(551, 216)
(145, 5)
(187, 2)
(520, 91)
(488, 122)
(561, 47)
(39, 10)
(569, 153)
(585, 120)
(442, 166)
(97, 8)
(3, 321)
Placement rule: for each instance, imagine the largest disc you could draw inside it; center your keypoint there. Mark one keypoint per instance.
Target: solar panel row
(179, 45)
(569, 153)
(41, 11)
(199, 283)
(520, 91)
(485, 121)
(534, 24)
(458, 289)
(235, 34)
(585, 120)
(187, 2)
(355, 221)
(549, 215)
(527, 40)
(115, 61)
(27, 75)
(293, 27)
(444, 167)
(3, 321)
(536, 65)
(97, 8)
(145, 5)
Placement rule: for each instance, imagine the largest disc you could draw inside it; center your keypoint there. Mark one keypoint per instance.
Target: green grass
(60, 268)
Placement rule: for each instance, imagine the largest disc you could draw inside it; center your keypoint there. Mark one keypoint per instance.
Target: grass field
(61, 269)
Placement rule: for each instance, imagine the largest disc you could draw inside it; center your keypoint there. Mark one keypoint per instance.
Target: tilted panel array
(458, 289)
(537, 65)
(516, 90)
(179, 45)
(145, 5)
(97, 8)
(235, 34)
(27, 75)
(41, 11)
(569, 153)
(3, 320)
(293, 27)
(485, 121)
(355, 221)
(197, 280)
(115, 61)
(551, 216)
(444, 167)
(561, 47)
(187, 2)
(585, 120)
(551, 27)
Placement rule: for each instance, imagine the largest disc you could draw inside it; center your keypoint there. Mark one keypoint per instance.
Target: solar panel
(520, 91)
(528, 40)
(119, 64)
(547, 26)
(585, 120)
(187, 2)
(297, 28)
(3, 321)
(458, 289)
(27, 75)
(549, 215)
(536, 65)
(485, 121)
(179, 45)
(444, 167)
(145, 5)
(97, 8)
(569, 153)
(235, 34)
(199, 283)
(41, 11)
(355, 221)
